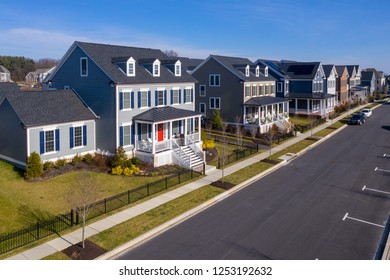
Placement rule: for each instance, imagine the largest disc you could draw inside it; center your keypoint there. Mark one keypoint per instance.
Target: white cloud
(35, 43)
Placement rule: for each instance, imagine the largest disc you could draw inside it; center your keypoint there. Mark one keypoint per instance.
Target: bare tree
(171, 53)
(239, 131)
(224, 127)
(208, 126)
(270, 135)
(253, 129)
(82, 197)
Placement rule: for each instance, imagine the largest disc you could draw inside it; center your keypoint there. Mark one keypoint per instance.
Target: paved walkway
(212, 175)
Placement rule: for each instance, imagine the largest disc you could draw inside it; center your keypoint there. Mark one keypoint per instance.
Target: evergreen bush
(34, 166)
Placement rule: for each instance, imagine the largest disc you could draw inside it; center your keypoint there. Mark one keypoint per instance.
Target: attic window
(131, 67)
(178, 69)
(156, 68)
(266, 71)
(247, 71)
(257, 71)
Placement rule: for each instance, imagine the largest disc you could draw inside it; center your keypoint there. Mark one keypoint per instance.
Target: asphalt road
(299, 211)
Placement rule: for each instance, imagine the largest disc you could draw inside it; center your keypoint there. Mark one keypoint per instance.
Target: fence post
(71, 217)
(105, 205)
(128, 197)
(147, 189)
(166, 182)
(192, 175)
(219, 163)
(37, 230)
(179, 177)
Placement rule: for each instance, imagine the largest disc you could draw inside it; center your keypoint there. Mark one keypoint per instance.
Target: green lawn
(122, 233)
(21, 201)
(247, 172)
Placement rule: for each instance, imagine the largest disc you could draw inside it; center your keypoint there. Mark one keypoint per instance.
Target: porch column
(258, 114)
(170, 136)
(199, 128)
(296, 106)
(277, 110)
(185, 131)
(266, 113)
(243, 117)
(154, 138)
(321, 106)
(308, 106)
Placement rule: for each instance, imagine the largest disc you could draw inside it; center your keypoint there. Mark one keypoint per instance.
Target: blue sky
(333, 32)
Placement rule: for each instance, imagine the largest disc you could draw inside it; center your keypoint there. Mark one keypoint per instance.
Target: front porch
(316, 106)
(168, 135)
(264, 112)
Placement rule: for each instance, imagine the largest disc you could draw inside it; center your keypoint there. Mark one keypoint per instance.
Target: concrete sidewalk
(212, 175)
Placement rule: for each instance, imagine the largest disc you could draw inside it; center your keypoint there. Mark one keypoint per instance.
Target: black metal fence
(237, 155)
(56, 224)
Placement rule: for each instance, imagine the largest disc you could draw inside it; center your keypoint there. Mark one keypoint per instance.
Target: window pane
(49, 141)
(78, 136)
(175, 96)
(160, 97)
(126, 100)
(144, 99)
(126, 135)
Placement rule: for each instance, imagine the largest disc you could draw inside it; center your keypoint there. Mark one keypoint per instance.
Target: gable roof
(273, 65)
(9, 87)
(237, 66)
(159, 114)
(108, 58)
(328, 69)
(3, 69)
(367, 76)
(36, 108)
(340, 70)
(300, 70)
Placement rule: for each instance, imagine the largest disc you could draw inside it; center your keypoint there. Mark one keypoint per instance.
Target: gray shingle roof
(160, 114)
(237, 66)
(37, 108)
(264, 100)
(327, 69)
(309, 95)
(300, 70)
(7, 87)
(106, 57)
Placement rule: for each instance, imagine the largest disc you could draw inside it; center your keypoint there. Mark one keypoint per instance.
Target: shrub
(208, 144)
(128, 171)
(120, 158)
(34, 166)
(88, 159)
(101, 162)
(117, 170)
(60, 162)
(136, 161)
(47, 165)
(76, 160)
(217, 121)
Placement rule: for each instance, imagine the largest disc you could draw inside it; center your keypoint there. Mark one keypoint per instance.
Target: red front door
(160, 132)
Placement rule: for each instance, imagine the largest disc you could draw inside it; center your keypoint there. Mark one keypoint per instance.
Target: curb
(185, 216)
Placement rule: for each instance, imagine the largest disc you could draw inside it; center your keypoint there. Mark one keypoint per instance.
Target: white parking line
(374, 190)
(362, 221)
(380, 169)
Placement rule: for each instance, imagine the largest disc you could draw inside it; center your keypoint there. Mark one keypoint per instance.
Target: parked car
(367, 112)
(358, 118)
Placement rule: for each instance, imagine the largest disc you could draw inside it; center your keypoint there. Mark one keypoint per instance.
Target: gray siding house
(307, 92)
(5, 75)
(55, 124)
(144, 100)
(282, 79)
(241, 89)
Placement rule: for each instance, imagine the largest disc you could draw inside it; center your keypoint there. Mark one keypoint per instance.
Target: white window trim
(54, 137)
(129, 92)
(266, 71)
(129, 125)
(257, 71)
(215, 75)
(130, 61)
(188, 88)
(74, 138)
(178, 64)
(215, 108)
(147, 98)
(247, 71)
(158, 64)
(81, 66)
(164, 101)
(178, 93)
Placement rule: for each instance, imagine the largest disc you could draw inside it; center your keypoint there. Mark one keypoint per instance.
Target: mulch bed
(271, 161)
(90, 252)
(225, 185)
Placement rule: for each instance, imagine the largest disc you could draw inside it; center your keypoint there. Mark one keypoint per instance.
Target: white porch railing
(144, 145)
(191, 140)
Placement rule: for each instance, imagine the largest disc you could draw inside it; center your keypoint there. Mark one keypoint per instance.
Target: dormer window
(131, 67)
(266, 71)
(178, 68)
(156, 68)
(257, 70)
(247, 71)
